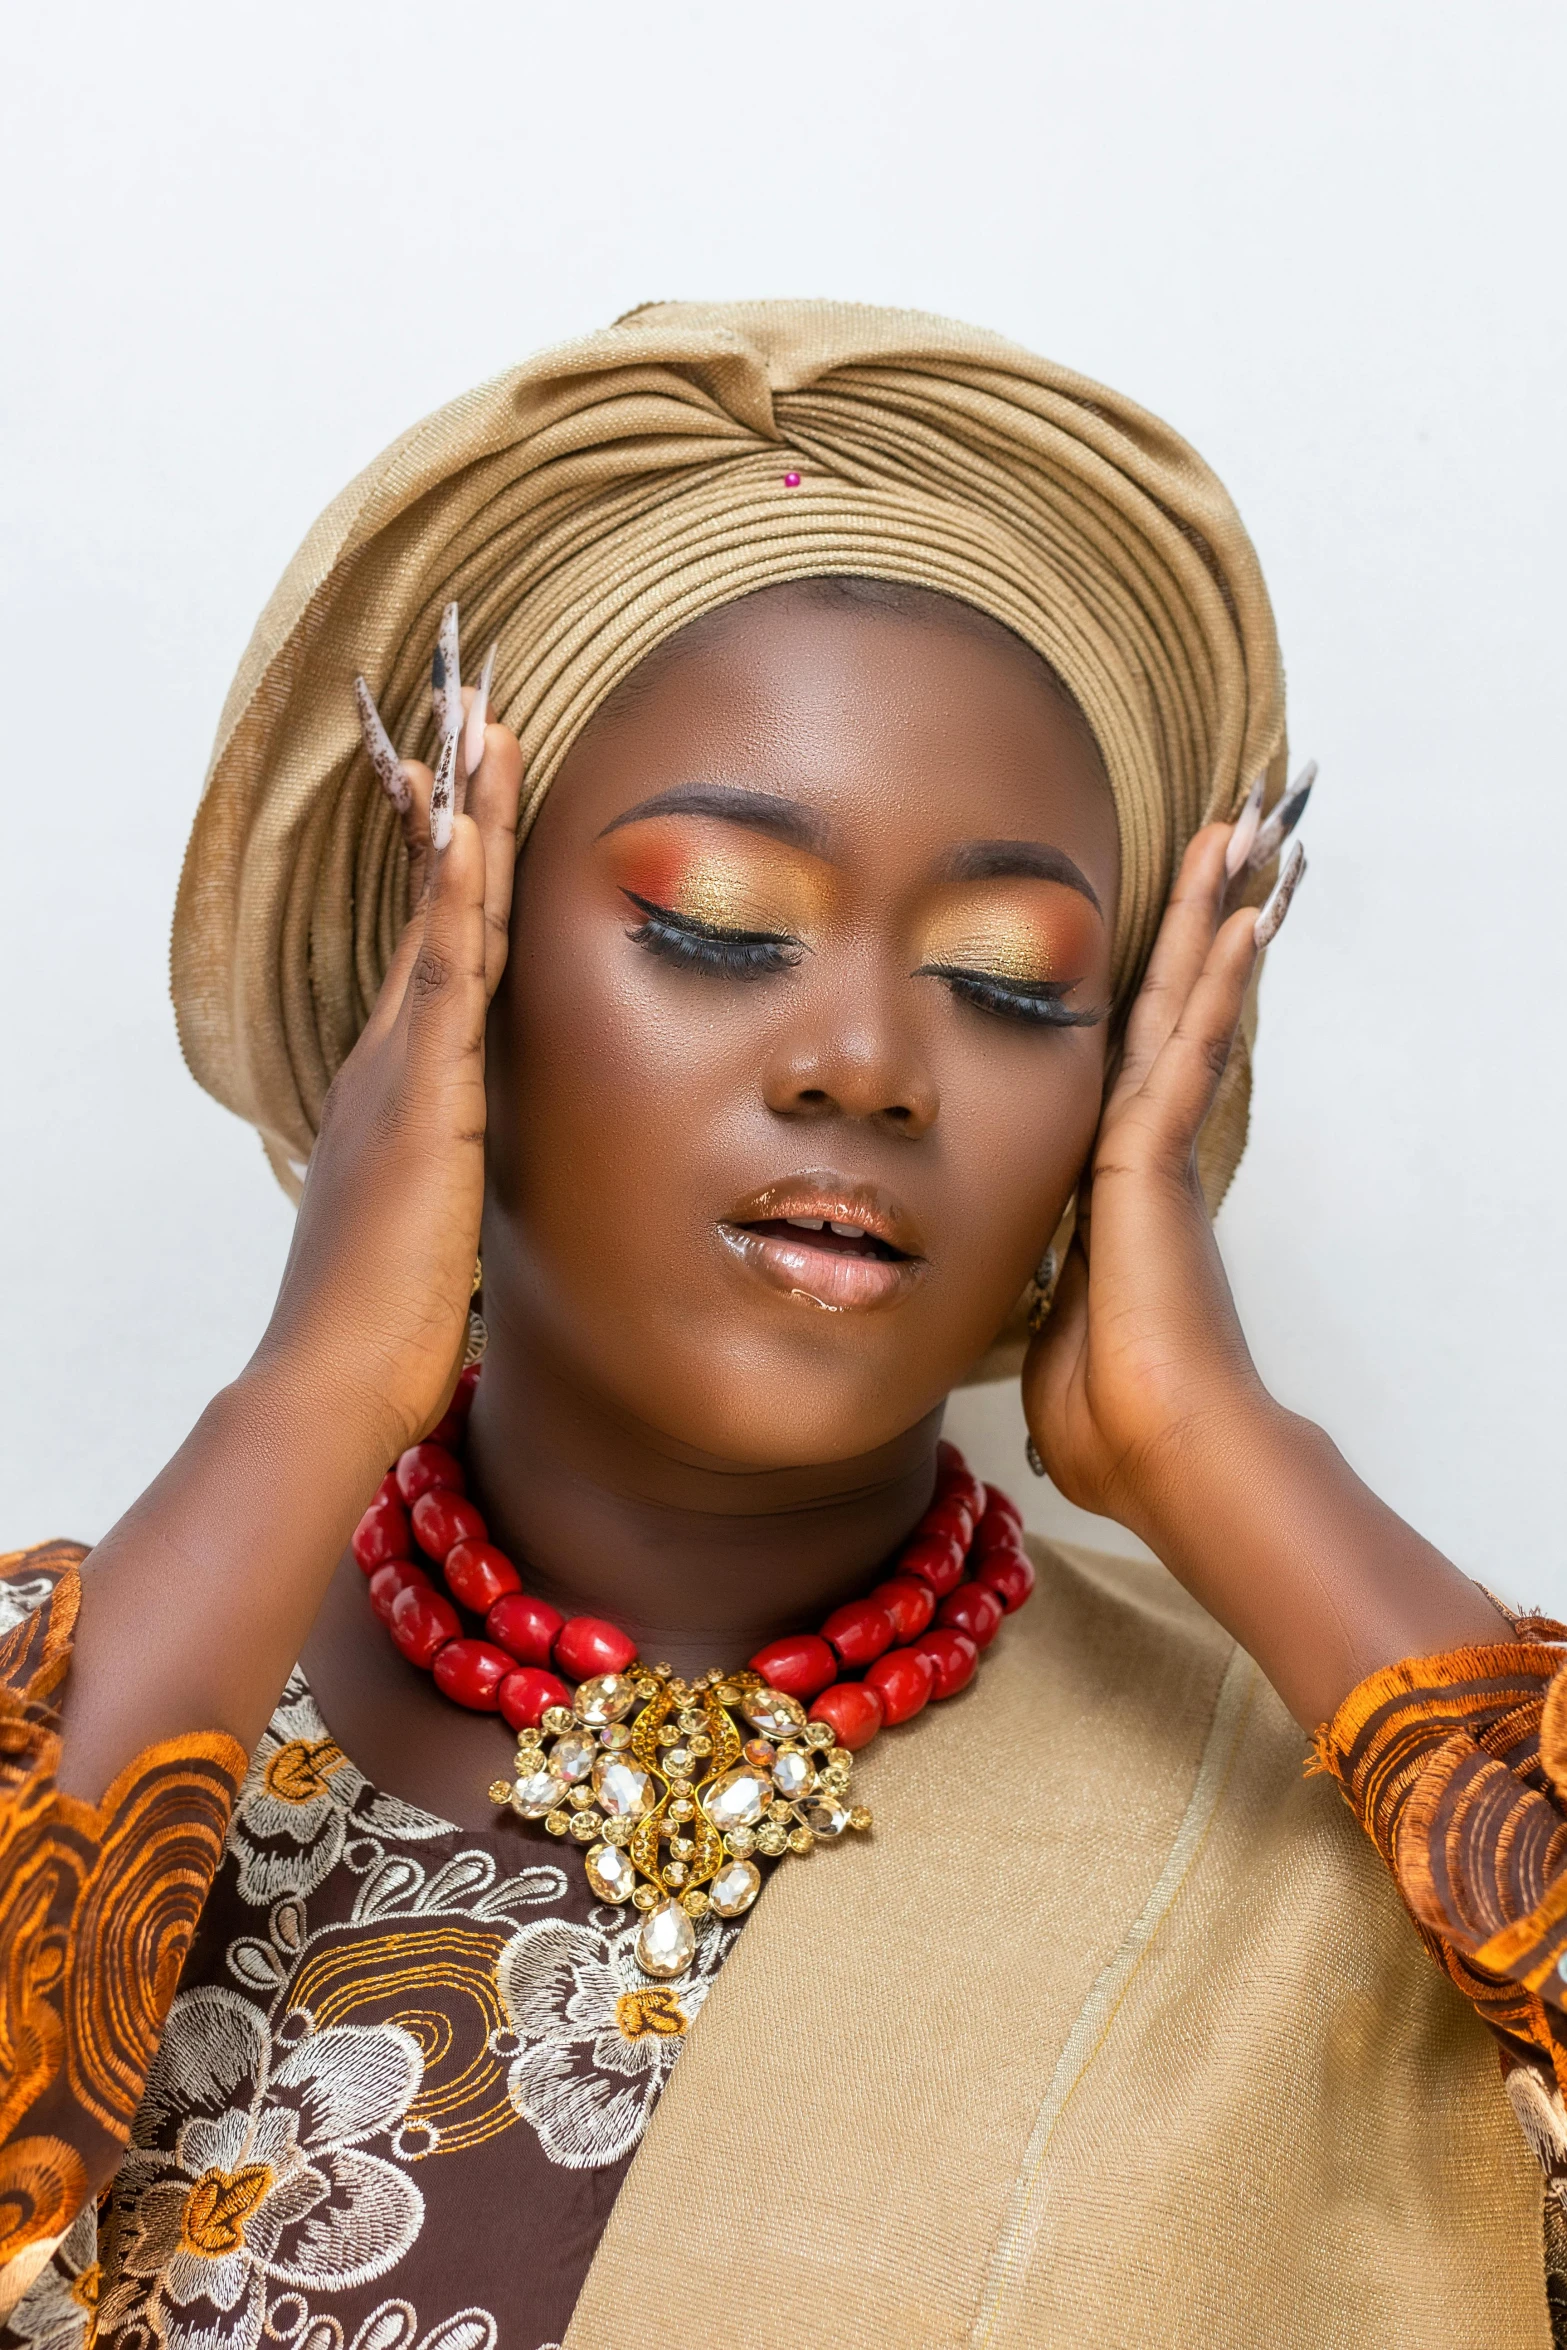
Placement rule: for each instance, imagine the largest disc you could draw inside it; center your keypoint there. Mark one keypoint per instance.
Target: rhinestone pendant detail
(678, 1799)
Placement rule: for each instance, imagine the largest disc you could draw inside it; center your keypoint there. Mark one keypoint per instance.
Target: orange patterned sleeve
(1456, 1767)
(98, 1904)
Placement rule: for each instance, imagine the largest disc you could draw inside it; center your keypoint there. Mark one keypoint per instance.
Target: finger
(493, 797)
(1178, 1091)
(1185, 936)
(446, 1001)
(476, 712)
(415, 821)
(416, 827)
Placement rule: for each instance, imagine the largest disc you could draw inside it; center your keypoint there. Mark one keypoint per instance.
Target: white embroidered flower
(54, 2313)
(598, 2037)
(301, 1798)
(266, 2182)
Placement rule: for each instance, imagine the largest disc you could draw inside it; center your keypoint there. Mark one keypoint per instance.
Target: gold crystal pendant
(658, 1778)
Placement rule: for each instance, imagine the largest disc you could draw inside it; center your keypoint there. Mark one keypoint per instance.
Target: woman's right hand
(372, 1314)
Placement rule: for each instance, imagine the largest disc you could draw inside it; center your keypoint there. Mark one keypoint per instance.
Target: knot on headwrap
(586, 505)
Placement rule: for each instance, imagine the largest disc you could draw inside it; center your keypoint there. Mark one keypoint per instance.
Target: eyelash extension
(1038, 1001)
(700, 946)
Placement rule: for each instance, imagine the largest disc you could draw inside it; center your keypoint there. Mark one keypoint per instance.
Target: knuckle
(431, 974)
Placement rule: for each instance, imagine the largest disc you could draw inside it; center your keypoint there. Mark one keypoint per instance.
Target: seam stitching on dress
(1021, 2222)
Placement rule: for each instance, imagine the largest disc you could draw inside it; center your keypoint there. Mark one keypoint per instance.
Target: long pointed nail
(1271, 920)
(390, 771)
(1272, 835)
(1245, 832)
(478, 714)
(446, 675)
(442, 794)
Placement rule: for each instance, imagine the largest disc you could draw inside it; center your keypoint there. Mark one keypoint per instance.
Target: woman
(881, 709)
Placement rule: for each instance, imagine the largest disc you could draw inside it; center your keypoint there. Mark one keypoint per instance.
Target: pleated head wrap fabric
(586, 505)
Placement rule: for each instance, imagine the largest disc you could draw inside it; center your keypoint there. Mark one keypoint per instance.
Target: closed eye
(1039, 1000)
(704, 946)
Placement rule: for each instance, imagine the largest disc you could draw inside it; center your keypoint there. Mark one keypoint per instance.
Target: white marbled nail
(446, 675)
(442, 794)
(479, 711)
(1271, 920)
(1245, 832)
(390, 771)
(1275, 830)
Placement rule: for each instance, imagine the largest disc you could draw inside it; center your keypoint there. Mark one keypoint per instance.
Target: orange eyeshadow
(719, 874)
(1025, 930)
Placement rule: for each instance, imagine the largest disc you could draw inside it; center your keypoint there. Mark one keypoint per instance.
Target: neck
(697, 1560)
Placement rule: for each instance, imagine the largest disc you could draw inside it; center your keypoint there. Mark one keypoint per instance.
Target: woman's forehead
(844, 727)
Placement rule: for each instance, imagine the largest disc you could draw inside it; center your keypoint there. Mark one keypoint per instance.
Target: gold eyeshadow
(717, 874)
(1027, 931)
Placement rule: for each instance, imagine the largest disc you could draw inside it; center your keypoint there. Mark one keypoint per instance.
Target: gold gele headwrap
(586, 505)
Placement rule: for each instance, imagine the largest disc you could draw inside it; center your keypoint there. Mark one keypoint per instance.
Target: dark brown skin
(664, 1433)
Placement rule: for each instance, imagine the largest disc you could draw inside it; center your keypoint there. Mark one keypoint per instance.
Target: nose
(855, 1061)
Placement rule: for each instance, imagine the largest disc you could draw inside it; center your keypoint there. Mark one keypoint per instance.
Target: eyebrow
(758, 811)
(1019, 860)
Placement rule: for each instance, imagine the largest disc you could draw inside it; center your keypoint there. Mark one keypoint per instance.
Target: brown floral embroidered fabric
(398, 2085)
(285, 2060)
(1456, 1767)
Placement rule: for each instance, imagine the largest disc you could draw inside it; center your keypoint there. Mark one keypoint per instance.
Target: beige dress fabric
(1113, 2033)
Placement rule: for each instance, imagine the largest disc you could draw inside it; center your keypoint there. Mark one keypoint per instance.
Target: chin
(761, 1404)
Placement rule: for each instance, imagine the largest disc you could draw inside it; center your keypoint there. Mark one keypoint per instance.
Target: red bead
(860, 1632)
(800, 1666)
(999, 1508)
(910, 1603)
(471, 1673)
(478, 1575)
(974, 1610)
(526, 1696)
(441, 1519)
(936, 1559)
(586, 1646)
(422, 1622)
(950, 1515)
(954, 1656)
(389, 1489)
(381, 1534)
(397, 1575)
(853, 1709)
(425, 1465)
(523, 1625)
(903, 1679)
(955, 1480)
(1010, 1575)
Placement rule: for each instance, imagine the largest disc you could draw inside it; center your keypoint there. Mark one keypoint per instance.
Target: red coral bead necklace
(653, 1773)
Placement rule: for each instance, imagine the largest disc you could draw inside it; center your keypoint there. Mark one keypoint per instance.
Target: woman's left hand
(1142, 1397)
(1142, 1354)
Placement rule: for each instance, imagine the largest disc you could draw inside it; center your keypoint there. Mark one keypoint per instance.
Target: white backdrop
(243, 246)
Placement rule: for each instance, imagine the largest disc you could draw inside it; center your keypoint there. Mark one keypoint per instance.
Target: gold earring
(478, 1330)
(1041, 1297)
(1042, 1290)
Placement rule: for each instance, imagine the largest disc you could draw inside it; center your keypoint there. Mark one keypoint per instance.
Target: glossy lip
(821, 1277)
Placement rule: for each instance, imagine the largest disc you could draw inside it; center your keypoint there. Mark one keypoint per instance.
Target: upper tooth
(809, 1223)
(850, 1231)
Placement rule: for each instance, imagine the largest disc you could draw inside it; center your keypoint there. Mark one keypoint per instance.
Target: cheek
(615, 1082)
(1021, 1115)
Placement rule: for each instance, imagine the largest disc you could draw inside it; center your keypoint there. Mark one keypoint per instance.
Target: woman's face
(800, 1046)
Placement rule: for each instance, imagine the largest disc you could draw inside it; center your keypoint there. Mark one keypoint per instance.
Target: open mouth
(826, 1243)
(823, 1232)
